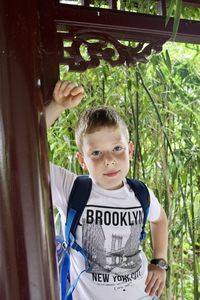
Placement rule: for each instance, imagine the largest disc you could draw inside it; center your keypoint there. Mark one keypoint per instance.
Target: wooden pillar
(28, 268)
(113, 4)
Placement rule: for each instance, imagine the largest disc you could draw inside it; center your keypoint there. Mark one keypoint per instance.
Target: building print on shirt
(110, 237)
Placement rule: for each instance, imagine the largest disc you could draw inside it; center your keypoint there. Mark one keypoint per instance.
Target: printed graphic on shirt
(110, 237)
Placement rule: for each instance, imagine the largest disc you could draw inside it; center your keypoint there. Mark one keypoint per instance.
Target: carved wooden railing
(80, 36)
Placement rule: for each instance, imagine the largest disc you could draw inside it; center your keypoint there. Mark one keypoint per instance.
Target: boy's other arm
(156, 276)
(66, 95)
(159, 233)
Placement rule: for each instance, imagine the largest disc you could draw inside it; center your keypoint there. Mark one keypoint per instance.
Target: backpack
(81, 190)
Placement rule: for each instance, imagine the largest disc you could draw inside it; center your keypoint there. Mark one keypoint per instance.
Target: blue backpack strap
(65, 263)
(77, 201)
(142, 194)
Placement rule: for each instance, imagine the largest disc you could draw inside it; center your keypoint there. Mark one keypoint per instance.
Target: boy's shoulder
(58, 171)
(62, 181)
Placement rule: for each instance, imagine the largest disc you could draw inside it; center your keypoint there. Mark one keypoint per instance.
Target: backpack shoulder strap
(77, 201)
(142, 194)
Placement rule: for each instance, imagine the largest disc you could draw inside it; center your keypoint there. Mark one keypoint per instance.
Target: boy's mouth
(111, 174)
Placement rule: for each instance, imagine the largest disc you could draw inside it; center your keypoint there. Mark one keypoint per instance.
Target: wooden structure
(97, 28)
(32, 45)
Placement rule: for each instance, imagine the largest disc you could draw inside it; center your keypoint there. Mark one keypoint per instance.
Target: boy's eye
(118, 148)
(96, 153)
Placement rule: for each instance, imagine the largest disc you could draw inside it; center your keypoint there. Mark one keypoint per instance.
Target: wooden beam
(127, 25)
(192, 3)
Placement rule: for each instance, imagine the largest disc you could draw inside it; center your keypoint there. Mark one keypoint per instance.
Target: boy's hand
(155, 281)
(67, 94)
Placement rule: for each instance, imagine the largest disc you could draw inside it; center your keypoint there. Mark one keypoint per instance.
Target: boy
(110, 226)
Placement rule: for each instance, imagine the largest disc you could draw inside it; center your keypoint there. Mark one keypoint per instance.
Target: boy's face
(106, 154)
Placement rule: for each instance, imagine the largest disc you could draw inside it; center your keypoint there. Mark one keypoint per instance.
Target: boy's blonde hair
(95, 118)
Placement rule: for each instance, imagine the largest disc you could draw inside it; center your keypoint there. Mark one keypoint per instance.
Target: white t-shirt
(109, 231)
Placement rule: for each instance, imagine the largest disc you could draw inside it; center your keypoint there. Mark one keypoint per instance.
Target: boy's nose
(109, 162)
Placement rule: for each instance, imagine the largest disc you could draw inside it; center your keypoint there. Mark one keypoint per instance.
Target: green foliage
(160, 102)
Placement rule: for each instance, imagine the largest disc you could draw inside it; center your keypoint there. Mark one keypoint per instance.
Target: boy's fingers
(67, 88)
(77, 90)
(160, 289)
(151, 285)
(73, 101)
(57, 87)
(77, 99)
(154, 288)
(68, 93)
(148, 279)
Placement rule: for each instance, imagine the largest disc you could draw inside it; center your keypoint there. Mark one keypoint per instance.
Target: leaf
(177, 9)
(170, 11)
(177, 16)
(168, 60)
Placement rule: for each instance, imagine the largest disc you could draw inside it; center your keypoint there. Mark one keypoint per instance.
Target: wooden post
(162, 6)
(28, 268)
(86, 2)
(113, 4)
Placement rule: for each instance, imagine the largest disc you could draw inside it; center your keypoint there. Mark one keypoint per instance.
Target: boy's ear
(80, 158)
(131, 150)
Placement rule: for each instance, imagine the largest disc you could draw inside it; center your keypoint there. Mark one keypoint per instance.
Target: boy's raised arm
(66, 95)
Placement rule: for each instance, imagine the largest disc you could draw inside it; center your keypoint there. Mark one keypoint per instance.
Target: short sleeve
(154, 209)
(61, 181)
